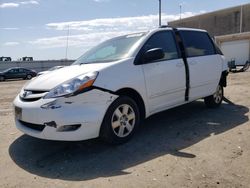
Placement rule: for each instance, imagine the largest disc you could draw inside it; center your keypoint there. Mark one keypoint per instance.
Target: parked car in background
(112, 87)
(17, 72)
(51, 69)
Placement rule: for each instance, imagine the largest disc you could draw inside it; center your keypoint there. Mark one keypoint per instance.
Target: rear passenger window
(197, 43)
(164, 40)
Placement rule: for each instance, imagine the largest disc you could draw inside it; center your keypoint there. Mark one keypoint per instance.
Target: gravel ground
(188, 146)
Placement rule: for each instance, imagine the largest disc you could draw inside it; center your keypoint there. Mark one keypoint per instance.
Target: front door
(165, 79)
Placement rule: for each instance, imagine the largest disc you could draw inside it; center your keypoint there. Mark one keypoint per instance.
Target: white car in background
(112, 87)
(49, 70)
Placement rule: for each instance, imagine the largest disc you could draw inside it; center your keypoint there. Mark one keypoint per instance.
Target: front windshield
(7, 70)
(110, 50)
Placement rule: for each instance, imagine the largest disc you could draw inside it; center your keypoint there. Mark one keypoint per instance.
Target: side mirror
(153, 55)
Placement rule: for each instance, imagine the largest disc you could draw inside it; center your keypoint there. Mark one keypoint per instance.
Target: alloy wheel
(123, 120)
(218, 94)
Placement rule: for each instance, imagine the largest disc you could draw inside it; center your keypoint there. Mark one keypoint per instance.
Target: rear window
(197, 43)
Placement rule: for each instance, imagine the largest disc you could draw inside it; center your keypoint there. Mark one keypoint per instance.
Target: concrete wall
(221, 22)
(34, 65)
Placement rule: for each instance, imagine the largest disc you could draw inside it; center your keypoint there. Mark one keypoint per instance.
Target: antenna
(67, 45)
(159, 13)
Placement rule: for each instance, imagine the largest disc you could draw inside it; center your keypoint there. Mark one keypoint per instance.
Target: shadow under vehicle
(166, 133)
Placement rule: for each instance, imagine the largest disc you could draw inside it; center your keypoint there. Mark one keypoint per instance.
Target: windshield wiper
(100, 61)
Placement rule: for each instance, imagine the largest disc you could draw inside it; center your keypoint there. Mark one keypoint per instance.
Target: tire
(121, 121)
(2, 78)
(28, 77)
(215, 100)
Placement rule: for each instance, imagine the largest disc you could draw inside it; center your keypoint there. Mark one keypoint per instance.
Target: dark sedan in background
(17, 72)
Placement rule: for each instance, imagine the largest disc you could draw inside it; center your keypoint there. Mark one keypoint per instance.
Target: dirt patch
(189, 146)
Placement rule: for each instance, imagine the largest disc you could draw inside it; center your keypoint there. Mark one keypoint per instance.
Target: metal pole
(67, 45)
(241, 17)
(159, 13)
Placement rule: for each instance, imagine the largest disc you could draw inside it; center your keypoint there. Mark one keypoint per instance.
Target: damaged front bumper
(70, 119)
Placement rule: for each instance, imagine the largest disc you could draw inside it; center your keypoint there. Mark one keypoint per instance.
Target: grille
(31, 96)
(37, 92)
(30, 99)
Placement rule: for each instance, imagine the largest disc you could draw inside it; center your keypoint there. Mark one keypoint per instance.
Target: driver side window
(13, 71)
(164, 40)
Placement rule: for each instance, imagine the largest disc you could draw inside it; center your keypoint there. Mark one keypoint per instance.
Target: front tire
(121, 121)
(215, 100)
(2, 78)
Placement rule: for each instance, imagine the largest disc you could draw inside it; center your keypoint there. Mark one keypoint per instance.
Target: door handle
(179, 64)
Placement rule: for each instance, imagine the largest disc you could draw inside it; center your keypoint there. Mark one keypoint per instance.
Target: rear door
(22, 73)
(205, 65)
(165, 79)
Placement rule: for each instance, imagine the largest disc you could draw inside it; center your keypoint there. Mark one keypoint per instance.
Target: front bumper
(68, 119)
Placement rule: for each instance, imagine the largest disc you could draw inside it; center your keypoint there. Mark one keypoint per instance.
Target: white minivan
(118, 83)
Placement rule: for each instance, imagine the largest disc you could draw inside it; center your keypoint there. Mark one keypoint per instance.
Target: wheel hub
(123, 120)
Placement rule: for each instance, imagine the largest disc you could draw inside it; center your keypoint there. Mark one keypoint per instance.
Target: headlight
(73, 86)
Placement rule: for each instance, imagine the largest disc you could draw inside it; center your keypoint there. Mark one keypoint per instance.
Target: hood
(46, 82)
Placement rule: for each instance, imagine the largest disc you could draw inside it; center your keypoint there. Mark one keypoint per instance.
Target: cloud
(10, 28)
(82, 40)
(117, 24)
(100, 1)
(11, 43)
(9, 5)
(29, 2)
(94, 31)
(15, 5)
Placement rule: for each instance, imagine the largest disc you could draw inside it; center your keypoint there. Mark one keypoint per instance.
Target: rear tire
(246, 66)
(215, 100)
(28, 77)
(121, 121)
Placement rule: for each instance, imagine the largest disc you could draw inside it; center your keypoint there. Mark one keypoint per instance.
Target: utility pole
(241, 17)
(67, 44)
(159, 13)
(180, 10)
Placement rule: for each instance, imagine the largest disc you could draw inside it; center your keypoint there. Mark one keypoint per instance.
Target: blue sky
(39, 28)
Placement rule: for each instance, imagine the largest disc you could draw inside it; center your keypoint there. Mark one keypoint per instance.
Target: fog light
(66, 128)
